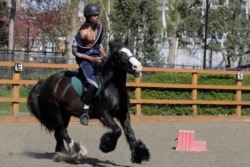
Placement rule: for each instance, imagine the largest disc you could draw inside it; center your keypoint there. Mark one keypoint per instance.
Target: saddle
(80, 84)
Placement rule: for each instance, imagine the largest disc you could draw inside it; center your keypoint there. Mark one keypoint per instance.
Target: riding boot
(84, 119)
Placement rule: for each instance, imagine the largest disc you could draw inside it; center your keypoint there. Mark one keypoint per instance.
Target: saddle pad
(79, 85)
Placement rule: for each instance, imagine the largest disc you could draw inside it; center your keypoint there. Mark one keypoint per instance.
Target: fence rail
(16, 81)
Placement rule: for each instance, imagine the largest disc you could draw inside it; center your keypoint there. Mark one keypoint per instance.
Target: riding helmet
(91, 9)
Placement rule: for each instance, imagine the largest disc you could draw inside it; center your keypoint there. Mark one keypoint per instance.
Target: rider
(89, 53)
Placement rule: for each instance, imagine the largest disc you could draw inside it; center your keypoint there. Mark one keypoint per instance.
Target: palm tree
(173, 20)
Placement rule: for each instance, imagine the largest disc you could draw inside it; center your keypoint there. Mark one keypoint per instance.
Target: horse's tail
(32, 101)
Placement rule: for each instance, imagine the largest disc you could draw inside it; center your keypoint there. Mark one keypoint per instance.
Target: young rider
(89, 53)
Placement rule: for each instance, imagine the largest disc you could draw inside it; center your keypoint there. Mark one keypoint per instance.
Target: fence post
(15, 93)
(238, 97)
(194, 92)
(138, 97)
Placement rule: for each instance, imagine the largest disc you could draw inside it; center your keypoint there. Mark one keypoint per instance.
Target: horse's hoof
(83, 152)
(77, 150)
(108, 142)
(140, 153)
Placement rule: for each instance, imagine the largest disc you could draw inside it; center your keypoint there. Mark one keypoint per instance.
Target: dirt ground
(228, 143)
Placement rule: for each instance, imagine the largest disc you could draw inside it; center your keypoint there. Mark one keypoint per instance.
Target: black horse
(54, 100)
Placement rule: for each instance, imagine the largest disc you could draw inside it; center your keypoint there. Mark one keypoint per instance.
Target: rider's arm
(87, 57)
(103, 53)
(74, 50)
(84, 56)
(100, 47)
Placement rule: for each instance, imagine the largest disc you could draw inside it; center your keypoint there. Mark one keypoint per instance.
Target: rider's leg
(89, 74)
(84, 119)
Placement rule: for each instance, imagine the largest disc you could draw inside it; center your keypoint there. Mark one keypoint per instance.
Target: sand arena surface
(228, 143)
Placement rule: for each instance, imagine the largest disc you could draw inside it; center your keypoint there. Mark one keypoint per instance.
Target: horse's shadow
(88, 160)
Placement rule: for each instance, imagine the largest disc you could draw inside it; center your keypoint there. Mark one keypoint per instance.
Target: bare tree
(12, 6)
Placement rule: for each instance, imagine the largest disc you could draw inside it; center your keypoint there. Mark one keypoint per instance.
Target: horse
(54, 100)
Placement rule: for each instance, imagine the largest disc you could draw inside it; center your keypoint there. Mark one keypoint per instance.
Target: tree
(173, 21)
(46, 20)
(73, 22)
(228, 28)
(237, 28)
(26, 32)
(3, 23)
(106, 7)
(192, 22)
(137, 21)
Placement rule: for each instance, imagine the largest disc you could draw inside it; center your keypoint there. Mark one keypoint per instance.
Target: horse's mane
(108, 70)
(114, 45)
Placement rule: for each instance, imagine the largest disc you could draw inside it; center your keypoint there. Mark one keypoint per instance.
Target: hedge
(183, 94)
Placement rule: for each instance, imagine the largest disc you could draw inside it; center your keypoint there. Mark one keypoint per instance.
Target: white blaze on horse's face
(136, 65)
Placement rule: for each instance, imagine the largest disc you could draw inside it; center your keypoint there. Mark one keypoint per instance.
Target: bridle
(128, 63)
(130, 58)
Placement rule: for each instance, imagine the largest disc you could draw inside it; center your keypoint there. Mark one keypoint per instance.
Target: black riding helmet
(91, 9)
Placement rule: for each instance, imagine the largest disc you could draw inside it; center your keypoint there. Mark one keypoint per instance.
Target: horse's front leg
(139, 152)
(109, 139)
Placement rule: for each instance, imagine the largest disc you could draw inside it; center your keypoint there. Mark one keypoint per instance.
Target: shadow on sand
(87, 160)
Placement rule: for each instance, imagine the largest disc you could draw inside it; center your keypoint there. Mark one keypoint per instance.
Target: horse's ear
(126, 41)
(111, 44)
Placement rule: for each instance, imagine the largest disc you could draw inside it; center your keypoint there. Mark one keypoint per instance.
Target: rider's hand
(97, 59)
(105, 56)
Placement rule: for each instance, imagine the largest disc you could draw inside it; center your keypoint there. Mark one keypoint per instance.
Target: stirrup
(84, 119)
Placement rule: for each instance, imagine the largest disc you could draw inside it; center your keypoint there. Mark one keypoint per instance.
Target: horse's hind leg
(61, 135)
(61, 132)
(75, 149)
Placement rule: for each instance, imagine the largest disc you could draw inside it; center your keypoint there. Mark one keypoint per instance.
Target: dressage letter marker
(186, 142)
